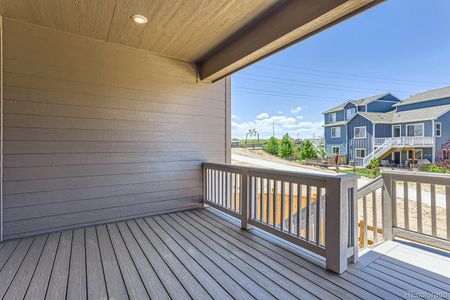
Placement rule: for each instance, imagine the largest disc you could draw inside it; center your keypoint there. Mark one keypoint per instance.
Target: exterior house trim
(365, 153)
(365, 133)
(413, 124)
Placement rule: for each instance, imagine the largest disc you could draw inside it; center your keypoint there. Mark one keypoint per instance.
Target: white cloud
(296, 110)
(262, 116)
(263, 123)
(280, 112)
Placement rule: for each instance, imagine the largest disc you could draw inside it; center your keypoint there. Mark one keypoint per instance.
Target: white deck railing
(410, 205)
(316, 212)
(406, 141)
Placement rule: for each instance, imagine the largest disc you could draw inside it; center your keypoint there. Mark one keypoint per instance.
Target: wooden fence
(316, 212)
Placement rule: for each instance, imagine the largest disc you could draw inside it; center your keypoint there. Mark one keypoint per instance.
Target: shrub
(434, 168)
(306, 150)
(286, 148)
(272, 146)
(374, 165)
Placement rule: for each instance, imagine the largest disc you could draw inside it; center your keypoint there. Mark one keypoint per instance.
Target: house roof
(340, 123)
(358, 102)
(427, 96)
(422, 114)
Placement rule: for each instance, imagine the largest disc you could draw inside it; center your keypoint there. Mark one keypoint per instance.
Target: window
(360, 152)
(360, 132)
(396, 131)
(350, 113)
(414, 130)
(335, 132)
(417, 154)
(336, 149)
(438, 128)
(332, 118)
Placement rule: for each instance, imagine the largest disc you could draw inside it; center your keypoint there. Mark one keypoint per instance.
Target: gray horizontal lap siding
(96, 132)
(353, 143)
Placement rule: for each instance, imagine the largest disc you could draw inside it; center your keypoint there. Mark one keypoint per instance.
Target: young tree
(272, 146)
(286, 148)
(306, 150)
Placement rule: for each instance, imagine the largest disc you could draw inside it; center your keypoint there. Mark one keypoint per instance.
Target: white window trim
(423, 129)
(333, 147)
(360, 138)
(409, 158)
(356, 151)
(440, 129)
(337, 129)
(347, 115)
(393, 130)
(329, 117)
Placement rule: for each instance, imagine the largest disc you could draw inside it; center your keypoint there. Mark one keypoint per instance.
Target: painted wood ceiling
(183, 29)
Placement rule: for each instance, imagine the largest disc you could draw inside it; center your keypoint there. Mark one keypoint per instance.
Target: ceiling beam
(287, 24)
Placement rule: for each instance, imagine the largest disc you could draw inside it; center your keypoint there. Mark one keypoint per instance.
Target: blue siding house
(388, 129)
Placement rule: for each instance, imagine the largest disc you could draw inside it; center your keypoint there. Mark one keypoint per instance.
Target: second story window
(332, 117)
(350, 112)
(414, 129)
(360, 132)
(438, 129)
(335, 132)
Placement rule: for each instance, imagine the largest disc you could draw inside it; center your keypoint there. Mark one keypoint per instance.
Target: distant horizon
(396, 47)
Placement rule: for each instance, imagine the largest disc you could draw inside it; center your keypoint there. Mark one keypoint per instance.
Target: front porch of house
(204, 254)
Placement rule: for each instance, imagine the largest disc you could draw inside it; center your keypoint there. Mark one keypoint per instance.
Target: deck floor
(198, 254)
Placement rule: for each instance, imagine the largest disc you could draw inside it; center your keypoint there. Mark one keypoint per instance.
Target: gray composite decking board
(227, 282)
(233, 285)
(57, 287)
(272, 262)
(280, 279)
(416, 270)
(147, 274)
(415, 275)
(169, 279)
(282, 250)
(135, 288)
(206, 279)
(247, 269)
(23, 276)
(296, 264)
(173, 255)
(41, 277)
(76, 286)
(190, 283)
(96, 286)
(406, 278)
(114, 280)
(6, 251)
(9, 270)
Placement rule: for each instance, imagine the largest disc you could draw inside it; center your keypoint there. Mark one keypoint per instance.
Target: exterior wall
(428, 126)
(341, 142)
(359, 143)
(96, 132)
(380, 106)
(431, 103)
(362, 108)
(340, 116)
(348, 106)
(383, 130)
(445, 133)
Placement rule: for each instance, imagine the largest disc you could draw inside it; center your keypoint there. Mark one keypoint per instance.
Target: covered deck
(204, 254)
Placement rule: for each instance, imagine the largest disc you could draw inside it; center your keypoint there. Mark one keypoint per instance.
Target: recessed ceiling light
(140, 19)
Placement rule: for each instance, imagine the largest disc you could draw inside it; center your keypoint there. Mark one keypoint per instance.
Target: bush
(434, 168)
(374, 165)
(272, 146)
(286, 148)
(306, 150)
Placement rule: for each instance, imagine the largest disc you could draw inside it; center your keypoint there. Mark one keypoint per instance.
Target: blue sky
(399, 46)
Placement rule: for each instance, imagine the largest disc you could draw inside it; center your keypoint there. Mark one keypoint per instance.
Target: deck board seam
(6, 261)
(101, 263)
(281, 264)
(250, 266)
(37, 263)
(259, 260)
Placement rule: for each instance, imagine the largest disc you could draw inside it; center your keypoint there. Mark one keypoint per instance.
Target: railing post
(204, 184)
(386, 207)
(245, 199)
(341, 238)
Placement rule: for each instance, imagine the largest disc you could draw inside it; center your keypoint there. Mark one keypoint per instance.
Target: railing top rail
(274, 172)
(421, 177)
(370, 187)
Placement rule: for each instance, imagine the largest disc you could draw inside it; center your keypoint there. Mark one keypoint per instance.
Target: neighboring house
(416, 128)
